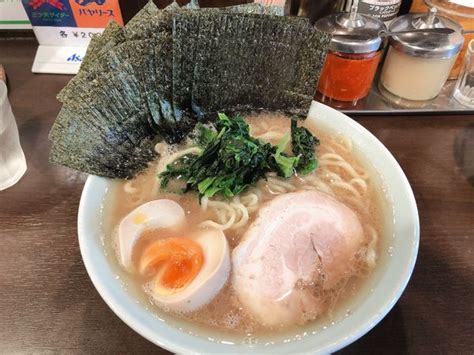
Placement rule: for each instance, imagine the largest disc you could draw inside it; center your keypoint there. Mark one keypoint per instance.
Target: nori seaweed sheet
(116, 66)
(163, 86)
(151, 61)
(83, 142)
(185, 38)
(86, 141)
(141, 26)
(247, 62)
(141, 59)
(151, 22)
(92, 48)
(153, 79)
(85, 160)
(137, 33)
(254, 8)
(153, 28)
(192, 5)
(110, 33)
(110, 97)
(311, 58)
(69, 117)
(113, 91)
(184, 35)
(111, 37)
(110, 110)
(64, 156)
(186, 26)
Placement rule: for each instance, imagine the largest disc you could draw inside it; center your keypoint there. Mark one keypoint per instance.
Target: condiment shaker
(415, 70)
(461, 11)
(353, 57)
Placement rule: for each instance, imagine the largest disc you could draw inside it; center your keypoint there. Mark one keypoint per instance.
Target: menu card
(64, 29)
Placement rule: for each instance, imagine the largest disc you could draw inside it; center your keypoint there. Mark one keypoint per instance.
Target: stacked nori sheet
(153, 79)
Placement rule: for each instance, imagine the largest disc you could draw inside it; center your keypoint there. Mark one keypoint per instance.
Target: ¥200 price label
(78, 33)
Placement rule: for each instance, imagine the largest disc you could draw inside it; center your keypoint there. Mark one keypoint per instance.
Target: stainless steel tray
(376, 104)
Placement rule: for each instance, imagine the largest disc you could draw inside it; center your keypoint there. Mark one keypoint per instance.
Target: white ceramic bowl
(388, 283)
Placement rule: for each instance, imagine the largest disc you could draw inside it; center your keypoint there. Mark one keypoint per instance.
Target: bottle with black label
(384, 10)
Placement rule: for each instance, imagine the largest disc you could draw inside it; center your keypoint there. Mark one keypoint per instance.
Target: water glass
(12, 159)
(464, 89)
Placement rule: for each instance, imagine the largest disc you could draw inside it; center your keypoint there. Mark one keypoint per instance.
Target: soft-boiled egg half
(156, 214)
(186, 272)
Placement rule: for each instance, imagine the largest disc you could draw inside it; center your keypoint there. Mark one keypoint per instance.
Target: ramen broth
(225, 312)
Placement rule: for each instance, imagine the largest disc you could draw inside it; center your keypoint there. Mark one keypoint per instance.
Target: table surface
(48, 303)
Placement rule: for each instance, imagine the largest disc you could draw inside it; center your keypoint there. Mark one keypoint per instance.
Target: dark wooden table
(48, 303)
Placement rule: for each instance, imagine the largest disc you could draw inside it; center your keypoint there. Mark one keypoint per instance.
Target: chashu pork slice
(300, 244)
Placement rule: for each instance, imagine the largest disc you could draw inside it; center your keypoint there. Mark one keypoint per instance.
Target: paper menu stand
(64, 29)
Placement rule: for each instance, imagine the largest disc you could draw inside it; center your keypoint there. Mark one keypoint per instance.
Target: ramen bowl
(368, 307)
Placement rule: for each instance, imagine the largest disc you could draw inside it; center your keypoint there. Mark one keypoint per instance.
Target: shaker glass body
(464, 90)
(12, 158)
(408, 80)
(347, 77)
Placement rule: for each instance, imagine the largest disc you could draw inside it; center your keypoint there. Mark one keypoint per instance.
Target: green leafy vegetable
(205, 135)
(286, 164)
(232, 160)
(303, 143)
(177, 169)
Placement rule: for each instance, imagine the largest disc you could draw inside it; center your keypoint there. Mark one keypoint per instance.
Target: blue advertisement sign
(49, 13)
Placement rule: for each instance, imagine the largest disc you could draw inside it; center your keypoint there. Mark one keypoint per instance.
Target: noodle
(224, 211)
(341, 164)
(244, 215)
(231, 214)
(345, 144)
(346, 186)
(359, 182)
(281, 183)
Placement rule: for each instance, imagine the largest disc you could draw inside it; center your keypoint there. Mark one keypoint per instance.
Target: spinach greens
(303, 143)
(232, 159)
(285, 165)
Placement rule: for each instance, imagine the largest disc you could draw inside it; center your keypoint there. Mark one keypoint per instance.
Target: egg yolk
(177, 261)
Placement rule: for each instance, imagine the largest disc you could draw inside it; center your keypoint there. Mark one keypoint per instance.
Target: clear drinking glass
(464, 89)
(12, 158)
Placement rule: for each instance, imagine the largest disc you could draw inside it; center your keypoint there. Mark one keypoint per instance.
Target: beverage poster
(64, 29)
